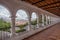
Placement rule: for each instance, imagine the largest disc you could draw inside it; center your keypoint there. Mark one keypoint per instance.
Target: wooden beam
(50, 4)
(52, 7)
(37, 2)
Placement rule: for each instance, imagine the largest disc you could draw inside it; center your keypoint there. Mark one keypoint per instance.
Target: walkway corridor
(53, 33)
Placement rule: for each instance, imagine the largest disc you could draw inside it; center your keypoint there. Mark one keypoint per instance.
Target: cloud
(34, 16)
(4, 11)
(21, 14)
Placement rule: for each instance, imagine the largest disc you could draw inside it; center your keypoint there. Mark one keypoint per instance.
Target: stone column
(12, 26)
(46, 19)
(38, 22)
(42, 20)
(29, 23)
(49, 20)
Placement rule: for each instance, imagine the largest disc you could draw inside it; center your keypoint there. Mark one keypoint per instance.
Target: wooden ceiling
(52, 6)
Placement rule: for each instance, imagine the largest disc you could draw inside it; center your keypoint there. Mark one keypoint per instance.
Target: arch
(34, 20)
(5, 10)
(7, 7)
(34, 15)
(23, 10)
(21, 19)
(4, 18)
(22, 14)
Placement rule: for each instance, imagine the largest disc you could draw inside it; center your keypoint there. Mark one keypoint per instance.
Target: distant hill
(21, 22)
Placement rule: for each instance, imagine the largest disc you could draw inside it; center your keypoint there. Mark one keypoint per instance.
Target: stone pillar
(46, 19)
(38, 22)
(49, 20)
(29, 23)
(42, 20)
(12, 26)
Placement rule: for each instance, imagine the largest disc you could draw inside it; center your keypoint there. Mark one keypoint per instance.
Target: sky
(4, 11)
(21, 14)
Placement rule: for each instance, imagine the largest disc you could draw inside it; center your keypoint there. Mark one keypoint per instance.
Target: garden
(6, 26)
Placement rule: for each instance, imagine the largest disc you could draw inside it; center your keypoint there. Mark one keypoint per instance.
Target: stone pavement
(52, 33)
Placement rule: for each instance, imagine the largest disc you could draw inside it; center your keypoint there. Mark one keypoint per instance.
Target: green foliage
(34, 22)
(48, 21)
(40, 19)
(4, 25)
(44, 20)
(23, 25)
(22, 30)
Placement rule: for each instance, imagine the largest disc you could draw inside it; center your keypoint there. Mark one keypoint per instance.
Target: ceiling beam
(22, 0)
(52, 7)
(37, 2)
(50, 4)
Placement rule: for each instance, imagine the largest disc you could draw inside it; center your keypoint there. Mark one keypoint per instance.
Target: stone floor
(52, 33)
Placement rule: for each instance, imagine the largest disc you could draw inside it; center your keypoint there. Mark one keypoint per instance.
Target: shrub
(48, 21)
(4, 25)
(22, 30)
(40, 21)
(34, 22)
(22, 26)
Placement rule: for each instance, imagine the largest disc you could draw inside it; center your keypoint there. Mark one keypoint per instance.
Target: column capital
(12, 16)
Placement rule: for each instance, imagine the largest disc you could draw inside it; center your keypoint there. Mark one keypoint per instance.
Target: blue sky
(4, 11)
(21, 14)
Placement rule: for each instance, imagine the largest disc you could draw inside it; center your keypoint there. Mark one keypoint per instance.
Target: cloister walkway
(52, 33)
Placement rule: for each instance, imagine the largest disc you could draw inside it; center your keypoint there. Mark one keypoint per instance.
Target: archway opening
(21, 21)
(5, 20)
(34, 20)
